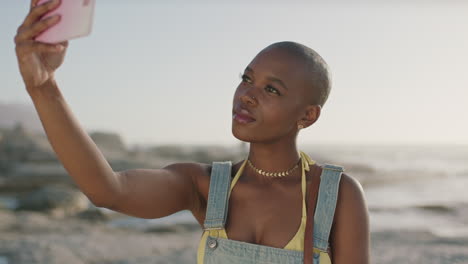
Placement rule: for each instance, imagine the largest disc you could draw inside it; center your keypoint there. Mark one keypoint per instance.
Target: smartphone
(76, 20)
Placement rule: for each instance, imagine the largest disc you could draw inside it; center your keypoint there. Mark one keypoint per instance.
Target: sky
(165, 72)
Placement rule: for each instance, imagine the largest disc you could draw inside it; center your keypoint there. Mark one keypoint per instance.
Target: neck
(274, 157)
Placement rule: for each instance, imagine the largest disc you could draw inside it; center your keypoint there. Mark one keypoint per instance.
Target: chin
(252, 135)
(248, 135)
(239, 135)
(242, 134)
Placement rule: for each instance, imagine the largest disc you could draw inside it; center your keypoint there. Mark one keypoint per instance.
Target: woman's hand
(38, 61)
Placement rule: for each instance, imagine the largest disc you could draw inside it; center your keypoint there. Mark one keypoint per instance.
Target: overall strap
(326, 204)
(312, 202)
(217, 205)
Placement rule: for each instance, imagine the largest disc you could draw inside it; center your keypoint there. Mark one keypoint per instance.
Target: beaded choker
(273, 174)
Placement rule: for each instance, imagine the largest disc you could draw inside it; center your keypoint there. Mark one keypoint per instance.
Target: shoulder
(189, 167)
(197, 172)
(351, 200)
(351, 222)
(202, 177)
(200, 174)
(350, 190)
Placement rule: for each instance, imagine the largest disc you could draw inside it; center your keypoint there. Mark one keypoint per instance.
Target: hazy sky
(166, 72)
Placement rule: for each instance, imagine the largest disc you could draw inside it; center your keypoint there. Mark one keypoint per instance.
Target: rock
(7, 220)
(32, 222)
(93, 214)
(30, 176)
(204, 154)
(110, 144)
(21, 145)
(8, 202)
(41, 252)
(59, 200)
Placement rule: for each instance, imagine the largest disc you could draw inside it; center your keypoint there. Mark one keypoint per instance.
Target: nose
(249, 99)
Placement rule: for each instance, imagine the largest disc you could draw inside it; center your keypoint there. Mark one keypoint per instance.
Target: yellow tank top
(297, 242)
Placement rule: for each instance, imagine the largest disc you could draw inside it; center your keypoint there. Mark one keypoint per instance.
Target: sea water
(423, 188)
(3, 260)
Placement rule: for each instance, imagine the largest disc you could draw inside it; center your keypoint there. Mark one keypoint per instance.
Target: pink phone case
(76, 21)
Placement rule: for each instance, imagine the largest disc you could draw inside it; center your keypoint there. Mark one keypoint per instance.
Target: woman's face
(271, 98)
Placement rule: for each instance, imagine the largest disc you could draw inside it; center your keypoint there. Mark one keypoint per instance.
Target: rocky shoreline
(44, 218)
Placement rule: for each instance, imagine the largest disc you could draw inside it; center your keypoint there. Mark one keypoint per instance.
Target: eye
(245, 78)
(272, 89)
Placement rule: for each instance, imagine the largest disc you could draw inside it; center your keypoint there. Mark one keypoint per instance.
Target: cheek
(280, 118)
(237, 92)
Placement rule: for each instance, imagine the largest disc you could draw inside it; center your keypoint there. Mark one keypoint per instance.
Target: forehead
(282, 64)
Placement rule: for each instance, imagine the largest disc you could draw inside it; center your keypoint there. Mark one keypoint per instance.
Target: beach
(416, 196)
(37, 238)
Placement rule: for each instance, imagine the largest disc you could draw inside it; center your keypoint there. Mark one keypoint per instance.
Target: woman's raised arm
(144, 193)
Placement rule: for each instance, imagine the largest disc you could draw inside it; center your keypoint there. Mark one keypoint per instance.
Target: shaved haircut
(316, 67)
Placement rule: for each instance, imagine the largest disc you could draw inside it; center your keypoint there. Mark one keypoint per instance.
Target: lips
(242, 116)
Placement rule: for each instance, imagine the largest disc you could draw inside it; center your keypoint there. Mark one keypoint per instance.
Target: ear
(311, 115)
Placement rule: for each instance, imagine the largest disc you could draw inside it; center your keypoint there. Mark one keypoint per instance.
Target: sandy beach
(29, 237)
(38, 238)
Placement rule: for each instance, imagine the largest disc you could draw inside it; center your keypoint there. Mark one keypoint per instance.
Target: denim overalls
(213, 249)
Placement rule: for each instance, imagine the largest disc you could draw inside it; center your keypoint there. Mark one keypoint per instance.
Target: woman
(258, 217)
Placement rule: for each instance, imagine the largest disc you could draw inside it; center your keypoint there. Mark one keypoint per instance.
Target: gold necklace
(273, 174)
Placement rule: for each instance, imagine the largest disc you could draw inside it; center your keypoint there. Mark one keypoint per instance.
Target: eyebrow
(270, 78)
